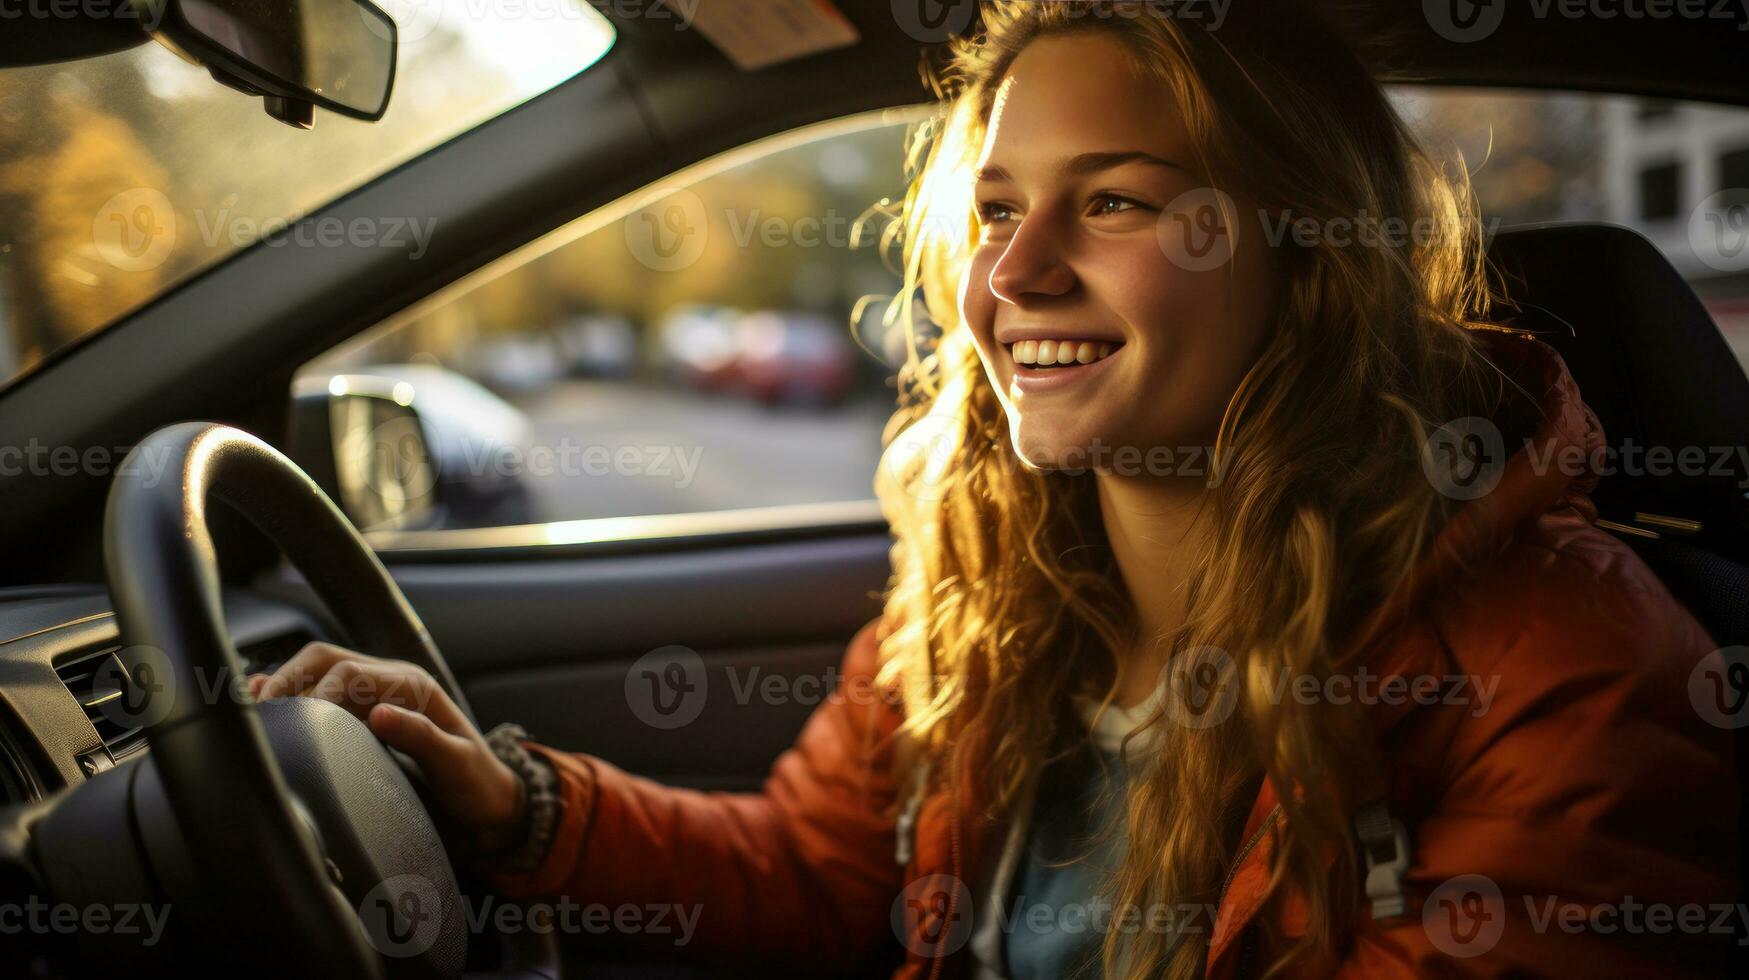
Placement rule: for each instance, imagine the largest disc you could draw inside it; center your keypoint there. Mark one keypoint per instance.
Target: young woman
(1208, 633)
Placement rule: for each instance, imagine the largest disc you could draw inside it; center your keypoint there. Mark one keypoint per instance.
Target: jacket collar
(1533, 479)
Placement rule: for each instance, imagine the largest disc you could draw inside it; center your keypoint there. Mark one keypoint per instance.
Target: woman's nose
(1032, 266)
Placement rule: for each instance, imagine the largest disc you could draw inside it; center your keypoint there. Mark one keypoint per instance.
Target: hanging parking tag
(757, 33)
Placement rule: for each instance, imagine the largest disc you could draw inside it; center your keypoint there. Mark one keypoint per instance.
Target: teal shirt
(1057, 915)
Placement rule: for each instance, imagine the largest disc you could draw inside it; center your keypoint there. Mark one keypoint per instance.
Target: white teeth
(1049, 352)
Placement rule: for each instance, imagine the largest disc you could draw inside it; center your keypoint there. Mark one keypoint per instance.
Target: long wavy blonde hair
(1005, 603)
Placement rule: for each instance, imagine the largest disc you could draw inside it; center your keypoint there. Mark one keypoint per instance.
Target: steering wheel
(292, 839)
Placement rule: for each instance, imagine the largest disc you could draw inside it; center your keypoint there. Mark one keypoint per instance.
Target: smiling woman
(125, 175)
(1222, 639)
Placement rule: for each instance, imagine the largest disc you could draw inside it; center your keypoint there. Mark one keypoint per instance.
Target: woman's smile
(1042, 366)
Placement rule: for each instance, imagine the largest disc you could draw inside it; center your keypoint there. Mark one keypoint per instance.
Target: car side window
(690, 350)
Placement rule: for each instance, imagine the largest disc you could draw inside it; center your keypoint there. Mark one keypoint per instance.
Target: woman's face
(1082, 170)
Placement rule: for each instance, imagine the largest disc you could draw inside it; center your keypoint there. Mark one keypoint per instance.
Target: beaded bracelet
(542, 805)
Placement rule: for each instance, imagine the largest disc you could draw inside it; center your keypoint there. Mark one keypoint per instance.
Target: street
(625, 449)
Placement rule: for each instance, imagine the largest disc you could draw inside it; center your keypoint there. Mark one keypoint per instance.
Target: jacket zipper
(1239, 859)
(952, 895)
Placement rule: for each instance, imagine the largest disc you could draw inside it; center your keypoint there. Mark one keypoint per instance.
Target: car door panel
(550, 644)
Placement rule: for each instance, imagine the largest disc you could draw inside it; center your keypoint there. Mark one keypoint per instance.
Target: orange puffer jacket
(1574, 816)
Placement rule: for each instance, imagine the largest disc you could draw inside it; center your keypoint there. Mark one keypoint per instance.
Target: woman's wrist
(519, 843)
(506, 824)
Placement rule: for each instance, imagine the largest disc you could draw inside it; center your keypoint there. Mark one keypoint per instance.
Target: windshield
(124, 175)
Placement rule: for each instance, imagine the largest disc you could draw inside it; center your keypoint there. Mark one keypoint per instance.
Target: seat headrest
(1649, 361)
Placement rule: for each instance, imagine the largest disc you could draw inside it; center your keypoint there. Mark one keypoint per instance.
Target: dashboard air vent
(97, 679)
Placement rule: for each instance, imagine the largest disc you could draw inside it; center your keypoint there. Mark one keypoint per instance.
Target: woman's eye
(993, 211)
(1113, 204)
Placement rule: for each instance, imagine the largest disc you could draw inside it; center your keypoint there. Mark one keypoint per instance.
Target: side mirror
(412, 447)
(361, 441)
(297, 55)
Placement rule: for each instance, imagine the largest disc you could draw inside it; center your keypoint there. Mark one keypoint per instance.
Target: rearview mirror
(296, 54)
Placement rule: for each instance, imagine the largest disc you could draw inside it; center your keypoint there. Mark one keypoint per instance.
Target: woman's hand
(406, 708)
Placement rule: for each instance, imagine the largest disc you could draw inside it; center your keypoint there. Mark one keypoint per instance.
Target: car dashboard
(61, 682)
